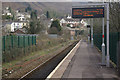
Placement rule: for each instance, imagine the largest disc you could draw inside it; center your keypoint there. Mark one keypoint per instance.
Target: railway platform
(83, 62)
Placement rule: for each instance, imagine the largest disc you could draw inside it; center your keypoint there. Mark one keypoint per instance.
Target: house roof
(19, 31)
(10, 22)
(72, 19)
(5, 22)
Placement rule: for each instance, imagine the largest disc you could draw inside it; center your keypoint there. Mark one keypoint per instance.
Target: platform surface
(85, 64)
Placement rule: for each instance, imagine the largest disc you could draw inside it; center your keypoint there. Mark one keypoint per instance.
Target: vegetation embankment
(44, 49)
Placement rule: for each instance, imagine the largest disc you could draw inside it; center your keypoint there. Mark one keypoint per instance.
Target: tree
(35, 24)
(13, 18)
(35, 27)
(115, 17)
(34, 15)
(55, 27)
(68, 25)
(10, 9)
(28, 9)
(56, 24)
(6, 17)
(47, 14)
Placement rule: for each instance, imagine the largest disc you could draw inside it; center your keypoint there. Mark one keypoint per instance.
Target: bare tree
(115, 16)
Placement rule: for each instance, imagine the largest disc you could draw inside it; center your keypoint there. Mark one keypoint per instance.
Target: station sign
(92, 12)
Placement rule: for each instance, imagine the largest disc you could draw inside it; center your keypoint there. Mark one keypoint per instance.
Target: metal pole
(92, 32)
(108, 56)
(89, 31)
(103, 44)
(88, 35)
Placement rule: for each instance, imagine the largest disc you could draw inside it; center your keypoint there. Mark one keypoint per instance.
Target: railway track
(43, 70)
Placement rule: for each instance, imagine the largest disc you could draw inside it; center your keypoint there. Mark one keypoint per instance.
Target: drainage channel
(44, 70)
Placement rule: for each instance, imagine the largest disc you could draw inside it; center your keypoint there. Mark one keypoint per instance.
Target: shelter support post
(108, 56)
(92, 32)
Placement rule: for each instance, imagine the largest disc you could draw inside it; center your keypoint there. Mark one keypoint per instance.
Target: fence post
(32, 40)
(3, 43)
(28, 41)
(12, 41)
(35, 40)
(18, 41)
(24, 43)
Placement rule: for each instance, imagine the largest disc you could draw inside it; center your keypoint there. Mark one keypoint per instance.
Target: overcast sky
(55, 0)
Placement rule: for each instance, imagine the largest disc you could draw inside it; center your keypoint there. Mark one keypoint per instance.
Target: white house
(27, 16)
(3, 14)
(69, 17)
(12, 26)
(7, 8)
(62, 21)
(16, 25)
(6, 26)
(19, 14)
(51, 19)
(83, 22)
(21, 18)
(71, 21)
(17, 11)
(8, 14)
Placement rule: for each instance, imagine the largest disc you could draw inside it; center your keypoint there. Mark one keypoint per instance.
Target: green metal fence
(14, 41)
(14, 46)
(114, 39)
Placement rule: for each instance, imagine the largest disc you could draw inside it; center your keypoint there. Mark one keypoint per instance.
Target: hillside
(41, 7)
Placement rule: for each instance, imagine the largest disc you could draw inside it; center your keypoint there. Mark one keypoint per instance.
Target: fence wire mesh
(114, 39)
(13, 46)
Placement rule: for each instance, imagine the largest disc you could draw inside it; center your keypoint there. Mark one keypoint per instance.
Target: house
(21, 18)
(17, 11)
(62, 22)
(6, 26)
(8, 14)
(28, 16)
(19, 14)
(7, 8)
(69, 17)
(83, 22)
(12, 26)
(71, 21)
(43, 16)
(6, 11)
(3, 14)
(18, 25)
